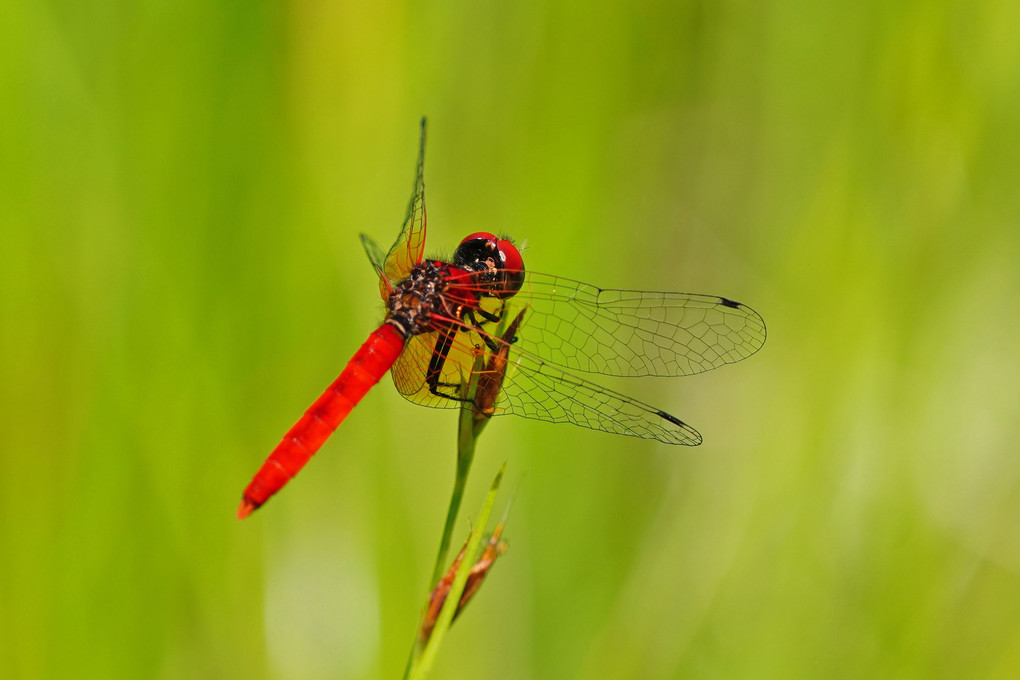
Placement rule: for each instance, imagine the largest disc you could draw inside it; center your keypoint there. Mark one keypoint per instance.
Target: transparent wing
(632, 332)
(376, 257)
(407, 250)
(411, 367)
(410, 244)
(535, 389)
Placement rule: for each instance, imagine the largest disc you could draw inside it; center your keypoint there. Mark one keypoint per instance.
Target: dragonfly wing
(536, 389)
(411, 368)
(377, 258)
(407, 250)
(375, 254)
(635, 333)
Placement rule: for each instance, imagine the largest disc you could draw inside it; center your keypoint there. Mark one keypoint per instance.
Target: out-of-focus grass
(181, 186)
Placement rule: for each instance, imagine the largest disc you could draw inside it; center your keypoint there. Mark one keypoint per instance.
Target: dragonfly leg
(439, 354)
(483, 333)
(489, 316)
(434, 389)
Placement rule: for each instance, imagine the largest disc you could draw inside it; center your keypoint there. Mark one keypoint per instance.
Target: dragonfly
(443, 316)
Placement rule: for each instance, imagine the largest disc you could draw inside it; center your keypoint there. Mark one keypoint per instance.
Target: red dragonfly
(442, 315)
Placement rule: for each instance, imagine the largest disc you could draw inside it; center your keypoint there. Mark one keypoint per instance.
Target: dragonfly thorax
(428, 297)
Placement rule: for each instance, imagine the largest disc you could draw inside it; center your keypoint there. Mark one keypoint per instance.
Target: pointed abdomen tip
(246, 507)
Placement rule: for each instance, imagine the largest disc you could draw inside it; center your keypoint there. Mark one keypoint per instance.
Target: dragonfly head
(495, 261)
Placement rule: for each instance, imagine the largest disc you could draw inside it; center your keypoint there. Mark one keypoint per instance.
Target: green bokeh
(181, 189)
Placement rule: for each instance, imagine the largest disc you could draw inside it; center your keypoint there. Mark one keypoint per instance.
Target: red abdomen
(363, 371)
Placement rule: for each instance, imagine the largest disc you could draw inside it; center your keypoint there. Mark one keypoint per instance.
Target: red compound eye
(505, 274)
(510, 255)
(479, 235)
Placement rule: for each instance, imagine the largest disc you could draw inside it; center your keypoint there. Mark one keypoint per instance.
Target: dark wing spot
(726, 302)
(673, 419)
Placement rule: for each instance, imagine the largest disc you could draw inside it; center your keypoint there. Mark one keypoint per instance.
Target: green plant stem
(468, 429)
(466, 438)
(421, 665)
(469, 426)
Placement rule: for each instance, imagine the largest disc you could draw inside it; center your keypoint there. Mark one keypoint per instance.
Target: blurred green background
(181, 189)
